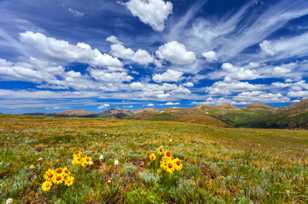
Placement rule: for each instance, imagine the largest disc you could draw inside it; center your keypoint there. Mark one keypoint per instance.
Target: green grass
(268, 118)
(221, 165)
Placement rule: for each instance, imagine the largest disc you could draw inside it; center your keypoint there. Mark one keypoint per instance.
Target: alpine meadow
(154, 102)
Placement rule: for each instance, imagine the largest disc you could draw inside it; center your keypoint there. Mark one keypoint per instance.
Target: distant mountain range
(256, 115)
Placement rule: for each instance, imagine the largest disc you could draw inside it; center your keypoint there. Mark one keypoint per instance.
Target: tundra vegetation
(127, 161)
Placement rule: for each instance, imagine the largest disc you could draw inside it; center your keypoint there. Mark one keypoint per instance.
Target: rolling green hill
(225, 115)
(294, 116)
(191, 115)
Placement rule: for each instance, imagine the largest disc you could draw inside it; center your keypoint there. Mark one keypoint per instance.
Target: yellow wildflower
(163, 164)
(46, 186)
(170, 167)
(66, 171)
(168, 155)
(89, 160)
(57, 179)
(84, 161)
(49, 174)
(59, 171)
(76, 161)
(152, 157)
(161, 150)
(77, 153)
(177, 164)
(69, 180)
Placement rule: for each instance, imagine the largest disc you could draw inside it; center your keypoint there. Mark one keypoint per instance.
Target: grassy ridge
(181, 115)
(221, 165)
(294, 116)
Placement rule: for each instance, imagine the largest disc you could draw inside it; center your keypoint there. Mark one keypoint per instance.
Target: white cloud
(279, 85)
(64, 51)
(295, 46)
(168, 76)
(290, 70)
(188, 84)
(30, 70)
(176, 53)
(104, 106)
(73, 74)
(267, 47)
(297, 89)
(261, 96)
(113, 40)
(233, 72)
(210, 56)
(75, 12)
(103, 75)
(137, 85)
(150, 104)
(161, 91)
(37, 94)
(224, 88)
(151, 12)
(52, 76)
(231, 34)
(298, 94)
(294, 70)
(119, 50)
(142, 57)
(172, 103)
(279, 71)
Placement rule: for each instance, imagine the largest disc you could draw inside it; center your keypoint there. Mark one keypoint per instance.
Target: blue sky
(102, 54)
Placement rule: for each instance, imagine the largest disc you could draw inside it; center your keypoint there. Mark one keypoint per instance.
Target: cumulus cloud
(168, 76)
(160, 91)
(38, 94)
(251, 71)
(142, 57)
(113, 39)
(295, 89)
(33, 70)
(137, 85)
(233, 72)
(118, 49)
(151, 12)
(224, 88)
(176, 53)
(188, 84)
(298, 94)
(261, 96)
(210, 56)
(50, 75)
(103, 75)
(67, 52)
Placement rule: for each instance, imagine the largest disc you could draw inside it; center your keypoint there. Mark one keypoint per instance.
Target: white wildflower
(9, 201)
(116, 162)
